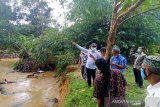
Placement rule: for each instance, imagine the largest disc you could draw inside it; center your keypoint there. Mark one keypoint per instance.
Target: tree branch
(115, 5)
(138, 15)
(132, 8)
(121, 6)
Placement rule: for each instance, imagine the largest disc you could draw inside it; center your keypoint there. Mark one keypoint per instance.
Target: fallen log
(9, 82)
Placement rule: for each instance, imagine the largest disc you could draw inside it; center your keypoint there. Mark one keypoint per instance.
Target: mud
(42, 91)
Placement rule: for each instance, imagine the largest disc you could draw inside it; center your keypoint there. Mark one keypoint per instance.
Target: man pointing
(90, 65)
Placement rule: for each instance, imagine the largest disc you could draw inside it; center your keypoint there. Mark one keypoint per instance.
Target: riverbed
(41, 90)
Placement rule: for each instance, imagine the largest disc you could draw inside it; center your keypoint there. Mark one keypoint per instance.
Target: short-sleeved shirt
(117, 85)
(120, 60)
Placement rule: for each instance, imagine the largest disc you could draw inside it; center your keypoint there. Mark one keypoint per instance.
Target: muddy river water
(42, 91)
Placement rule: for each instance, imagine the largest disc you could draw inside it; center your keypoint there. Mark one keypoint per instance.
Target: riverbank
(64, 84)
(80, 95)
(43, 90)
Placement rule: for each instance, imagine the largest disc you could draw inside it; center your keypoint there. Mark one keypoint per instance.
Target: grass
(82, 96)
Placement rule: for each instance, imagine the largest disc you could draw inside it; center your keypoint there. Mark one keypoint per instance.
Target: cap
(153, 62)
(116, 49)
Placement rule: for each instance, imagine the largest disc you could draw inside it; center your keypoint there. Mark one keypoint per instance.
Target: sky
(58, 13)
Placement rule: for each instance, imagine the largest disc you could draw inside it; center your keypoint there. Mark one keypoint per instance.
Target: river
(41, 91)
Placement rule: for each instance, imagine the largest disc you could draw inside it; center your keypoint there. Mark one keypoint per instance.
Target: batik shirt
(117, 85)
(120, 60)
(139, 60)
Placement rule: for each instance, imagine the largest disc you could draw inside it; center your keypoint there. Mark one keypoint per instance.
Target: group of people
(110, 81)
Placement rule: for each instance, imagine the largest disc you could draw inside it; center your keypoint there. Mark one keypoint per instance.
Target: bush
(53, 45)
(63, 60)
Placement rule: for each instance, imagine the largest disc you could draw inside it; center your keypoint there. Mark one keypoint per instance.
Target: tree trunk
(114, 23)
(111, 38)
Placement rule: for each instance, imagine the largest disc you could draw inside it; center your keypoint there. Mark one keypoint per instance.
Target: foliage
(55, 45)
(63, 60)
(50, 43)
(24, 43)
(86, 33)
(6, 27)
(34, 12)
(153, 49)
(82, 10)
(37, 12)
(139, 31)
(138, 34)
(91, 19)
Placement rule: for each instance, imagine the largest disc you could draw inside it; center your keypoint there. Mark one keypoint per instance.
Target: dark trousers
(138, 78)
(90, 73)
(83, 71)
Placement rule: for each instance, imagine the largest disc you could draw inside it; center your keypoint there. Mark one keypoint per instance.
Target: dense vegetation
(26, 27)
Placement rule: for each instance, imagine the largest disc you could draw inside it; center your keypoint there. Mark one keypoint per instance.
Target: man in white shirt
(151, 72)
(90, 65)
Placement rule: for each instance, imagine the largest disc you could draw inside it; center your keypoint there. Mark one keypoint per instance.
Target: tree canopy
(25, 26)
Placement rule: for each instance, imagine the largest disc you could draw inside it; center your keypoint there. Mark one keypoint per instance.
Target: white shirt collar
(151, 89)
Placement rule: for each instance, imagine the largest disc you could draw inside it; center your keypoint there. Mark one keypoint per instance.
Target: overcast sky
(59, 12)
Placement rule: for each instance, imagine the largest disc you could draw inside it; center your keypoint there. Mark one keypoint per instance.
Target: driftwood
(33, 74)
(7, 82)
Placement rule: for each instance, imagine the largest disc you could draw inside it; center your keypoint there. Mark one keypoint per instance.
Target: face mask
(139, 50)
(93, 49)
(143, 75)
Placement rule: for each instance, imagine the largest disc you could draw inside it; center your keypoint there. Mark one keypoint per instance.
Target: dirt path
(42, 91)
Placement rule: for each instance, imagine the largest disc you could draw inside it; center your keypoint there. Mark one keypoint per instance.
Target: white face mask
(93, 48)
(139, 50)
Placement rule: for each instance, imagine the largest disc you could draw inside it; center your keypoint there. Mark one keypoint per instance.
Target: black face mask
(143, 74)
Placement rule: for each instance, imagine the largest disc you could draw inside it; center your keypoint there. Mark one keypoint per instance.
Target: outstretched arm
(79, 47)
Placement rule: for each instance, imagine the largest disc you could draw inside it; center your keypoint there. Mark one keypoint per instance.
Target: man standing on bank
(90, 65)
(117, 60)
(137, 66)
